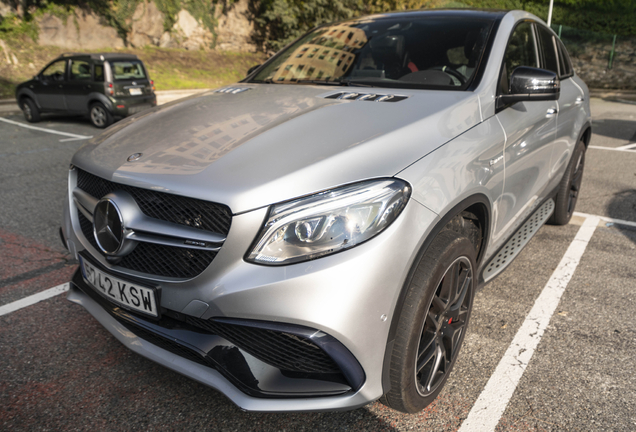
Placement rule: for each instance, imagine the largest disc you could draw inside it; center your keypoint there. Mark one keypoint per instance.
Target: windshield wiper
(319, 82)
(354, 83)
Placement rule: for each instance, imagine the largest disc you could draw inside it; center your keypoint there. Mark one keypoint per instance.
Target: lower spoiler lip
(253, 368)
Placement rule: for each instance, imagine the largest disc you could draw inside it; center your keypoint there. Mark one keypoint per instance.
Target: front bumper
(349, 296)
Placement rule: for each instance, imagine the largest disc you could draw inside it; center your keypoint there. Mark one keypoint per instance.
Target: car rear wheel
(100, 116)
(433, 322)
(569, 188)
(30, 110)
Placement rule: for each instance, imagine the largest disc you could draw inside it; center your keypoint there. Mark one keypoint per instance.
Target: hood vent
(232, 90)
(371, 97)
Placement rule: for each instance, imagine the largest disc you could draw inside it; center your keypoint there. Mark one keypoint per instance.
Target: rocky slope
(84, 29)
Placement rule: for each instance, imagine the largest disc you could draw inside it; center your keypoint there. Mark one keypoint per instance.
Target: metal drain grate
(510, 251)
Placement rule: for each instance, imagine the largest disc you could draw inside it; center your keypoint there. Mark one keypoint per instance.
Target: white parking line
(33, 299)
(607, 219)
(625, 149)
(630, 146)
(493, 400)
(72, 136)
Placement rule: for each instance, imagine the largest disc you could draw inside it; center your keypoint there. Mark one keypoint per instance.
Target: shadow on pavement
(623, 206)
(619, 129)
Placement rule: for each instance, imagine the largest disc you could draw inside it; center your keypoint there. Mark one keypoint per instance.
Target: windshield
(127, 70)
(409, 52)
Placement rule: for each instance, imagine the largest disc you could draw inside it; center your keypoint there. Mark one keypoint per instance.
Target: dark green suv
(102, 86)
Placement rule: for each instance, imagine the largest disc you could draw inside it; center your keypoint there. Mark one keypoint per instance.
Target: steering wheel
(451, 72)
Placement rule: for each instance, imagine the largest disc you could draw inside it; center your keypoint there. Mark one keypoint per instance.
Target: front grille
(282, 350)
(157, 259)
(164, 206)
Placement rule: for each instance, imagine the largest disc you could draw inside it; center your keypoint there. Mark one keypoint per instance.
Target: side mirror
(252, 69)
(531, 84)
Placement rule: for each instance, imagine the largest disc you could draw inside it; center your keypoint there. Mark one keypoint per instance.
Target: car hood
(275, 142)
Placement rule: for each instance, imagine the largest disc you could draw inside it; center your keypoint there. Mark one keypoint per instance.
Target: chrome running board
(518, 241)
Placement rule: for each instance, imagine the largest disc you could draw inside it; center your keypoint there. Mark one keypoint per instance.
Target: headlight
(329, 222)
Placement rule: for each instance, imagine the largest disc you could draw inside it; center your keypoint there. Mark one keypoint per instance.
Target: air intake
(370, 97)
(232, 90)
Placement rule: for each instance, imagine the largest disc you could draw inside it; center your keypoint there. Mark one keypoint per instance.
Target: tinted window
(548, 49)
(521, 51)
(127, 70)
(394, 52)
(564, 60)
(55, 71)
(99, 72)
(80, 70)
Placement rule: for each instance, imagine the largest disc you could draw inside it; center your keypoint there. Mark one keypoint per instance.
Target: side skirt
(517, 242)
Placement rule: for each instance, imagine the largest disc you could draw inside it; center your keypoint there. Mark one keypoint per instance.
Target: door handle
(579, 100)
(551, 112)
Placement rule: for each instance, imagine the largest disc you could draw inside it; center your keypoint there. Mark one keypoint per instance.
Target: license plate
(129, 295)
(135, 91)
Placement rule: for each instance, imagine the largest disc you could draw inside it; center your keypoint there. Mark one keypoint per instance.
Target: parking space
(60, 370)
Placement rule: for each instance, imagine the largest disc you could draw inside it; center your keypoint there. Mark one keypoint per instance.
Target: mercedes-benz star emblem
(108, 226)
(134, 157)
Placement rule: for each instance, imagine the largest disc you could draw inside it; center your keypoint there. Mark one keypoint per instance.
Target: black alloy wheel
(575, 182)
(569, 188)
(432, 322)
(444, 327)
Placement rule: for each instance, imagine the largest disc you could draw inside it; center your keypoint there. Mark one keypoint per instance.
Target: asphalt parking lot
(551, 344)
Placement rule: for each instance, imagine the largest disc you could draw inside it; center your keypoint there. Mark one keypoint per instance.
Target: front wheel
(100, 116)
(433, 322)
(568, 192)
(30, 110)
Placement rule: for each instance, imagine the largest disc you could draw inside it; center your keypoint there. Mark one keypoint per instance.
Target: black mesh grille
(160, 205)
(87, 229)
(154, 259)
(281, 350)
(157, 259)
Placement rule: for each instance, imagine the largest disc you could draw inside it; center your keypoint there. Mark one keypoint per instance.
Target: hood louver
(371, 97)
(232, 90)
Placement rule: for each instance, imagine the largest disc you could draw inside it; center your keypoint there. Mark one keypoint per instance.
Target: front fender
(99, 97)
(26, 92)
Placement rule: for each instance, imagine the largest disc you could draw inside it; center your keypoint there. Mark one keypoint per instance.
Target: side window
(99, 72)
(55, 71)
(548, 48)
(80, 70)
(521, 51)
(564, 60)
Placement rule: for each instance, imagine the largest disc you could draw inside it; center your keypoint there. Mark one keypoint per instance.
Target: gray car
(311, 237)
(99, 86)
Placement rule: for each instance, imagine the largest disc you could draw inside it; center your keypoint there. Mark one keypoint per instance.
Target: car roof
(101, 56)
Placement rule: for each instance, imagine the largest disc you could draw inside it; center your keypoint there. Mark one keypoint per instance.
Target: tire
(100, 116)
(30, 110)
(433, 322)
(569, 188)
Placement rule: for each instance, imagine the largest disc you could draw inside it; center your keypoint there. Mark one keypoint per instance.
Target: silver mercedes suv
(311, 237)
